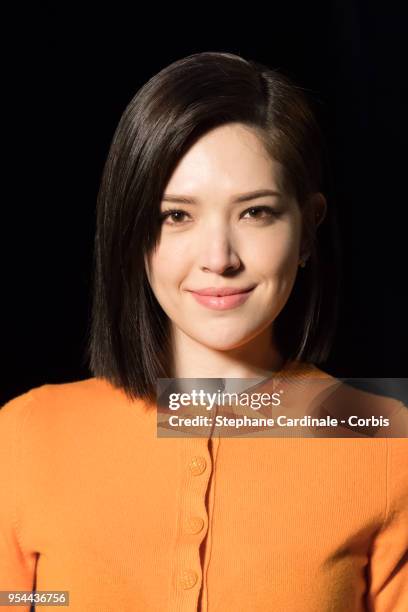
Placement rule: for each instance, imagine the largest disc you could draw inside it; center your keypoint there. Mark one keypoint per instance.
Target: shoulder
(369, 411)
(47, 394)
(59, 418)
(384, 413)
(62, 401)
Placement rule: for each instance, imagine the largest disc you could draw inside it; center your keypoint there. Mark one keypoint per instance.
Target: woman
(214, 180)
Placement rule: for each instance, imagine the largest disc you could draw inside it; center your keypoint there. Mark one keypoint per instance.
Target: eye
(177, 214)
(270, 212)
(172, 213)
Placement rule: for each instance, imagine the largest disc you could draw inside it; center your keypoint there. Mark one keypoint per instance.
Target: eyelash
(267, 209)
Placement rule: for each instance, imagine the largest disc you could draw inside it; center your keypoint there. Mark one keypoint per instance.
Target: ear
(319, 206)
(313, 213)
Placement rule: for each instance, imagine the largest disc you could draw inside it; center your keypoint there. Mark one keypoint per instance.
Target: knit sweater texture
(94, 503)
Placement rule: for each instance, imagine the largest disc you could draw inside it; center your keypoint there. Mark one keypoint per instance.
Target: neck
(257, 358)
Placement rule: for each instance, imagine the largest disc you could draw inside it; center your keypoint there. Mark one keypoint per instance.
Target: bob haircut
(129, 339)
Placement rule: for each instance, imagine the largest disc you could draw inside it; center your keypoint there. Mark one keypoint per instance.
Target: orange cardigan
(93, 503)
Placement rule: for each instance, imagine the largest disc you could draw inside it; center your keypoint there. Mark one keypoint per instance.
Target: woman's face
(220, 242)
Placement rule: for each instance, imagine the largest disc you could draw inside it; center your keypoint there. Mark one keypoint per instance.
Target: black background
(75, 71)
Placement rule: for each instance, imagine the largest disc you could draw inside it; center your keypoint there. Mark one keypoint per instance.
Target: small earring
(303, 260)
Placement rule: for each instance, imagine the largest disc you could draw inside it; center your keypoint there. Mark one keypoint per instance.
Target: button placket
(194, 524)
(195, 475)
(197, 465)
(188, 579)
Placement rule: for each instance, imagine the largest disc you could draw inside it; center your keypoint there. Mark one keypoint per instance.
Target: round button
(197, 465)
(195, 524)
(188, 578)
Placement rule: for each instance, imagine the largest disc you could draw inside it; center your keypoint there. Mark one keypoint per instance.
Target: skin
(220, 243)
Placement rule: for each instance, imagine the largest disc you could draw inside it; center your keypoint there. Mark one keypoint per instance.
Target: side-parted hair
(129, 337)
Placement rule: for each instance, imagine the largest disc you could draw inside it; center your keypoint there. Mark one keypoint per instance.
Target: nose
(218, 253)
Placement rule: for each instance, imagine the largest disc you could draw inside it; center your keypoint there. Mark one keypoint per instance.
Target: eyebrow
(243, 197)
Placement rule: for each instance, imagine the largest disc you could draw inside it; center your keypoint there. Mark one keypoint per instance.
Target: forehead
(230, 157)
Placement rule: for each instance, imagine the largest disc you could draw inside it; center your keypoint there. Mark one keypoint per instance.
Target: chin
(228, 343)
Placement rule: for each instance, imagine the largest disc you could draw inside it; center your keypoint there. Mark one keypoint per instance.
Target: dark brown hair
(129, 334)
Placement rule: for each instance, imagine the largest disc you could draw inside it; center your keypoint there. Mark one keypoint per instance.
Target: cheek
(278, 251)
(166, 265)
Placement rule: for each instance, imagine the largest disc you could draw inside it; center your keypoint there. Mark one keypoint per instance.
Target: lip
(221, 291)
(222, 302)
